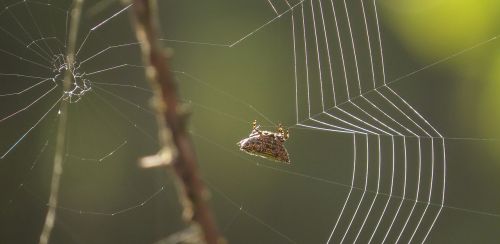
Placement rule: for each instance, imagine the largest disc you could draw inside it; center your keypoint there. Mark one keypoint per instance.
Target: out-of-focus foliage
(433, 29)
(436, 28)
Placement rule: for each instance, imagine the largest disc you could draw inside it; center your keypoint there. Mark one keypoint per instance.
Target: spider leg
(255, 127)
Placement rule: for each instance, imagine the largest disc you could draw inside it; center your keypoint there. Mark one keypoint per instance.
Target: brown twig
(171, 120)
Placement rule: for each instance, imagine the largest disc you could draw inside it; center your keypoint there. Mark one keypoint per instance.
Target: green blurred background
(229, 87)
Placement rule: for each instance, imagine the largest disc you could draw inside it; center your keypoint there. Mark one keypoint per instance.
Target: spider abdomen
(265, 144)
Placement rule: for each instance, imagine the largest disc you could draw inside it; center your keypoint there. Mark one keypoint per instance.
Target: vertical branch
(61, 130)
(172, 122)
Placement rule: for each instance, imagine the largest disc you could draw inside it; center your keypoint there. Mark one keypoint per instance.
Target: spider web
(367, 165)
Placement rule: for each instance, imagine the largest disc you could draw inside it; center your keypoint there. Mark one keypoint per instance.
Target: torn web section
(30, 94)
(30, 83)
(109, 121)
(100, 169)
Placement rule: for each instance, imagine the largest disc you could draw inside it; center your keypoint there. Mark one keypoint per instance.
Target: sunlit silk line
(289, 10)
(25, 59)
(342, 128)
(37, 27)
(379, 40)
(20, 42)
(404, 137)
(412, 73)
(295, 69)
(61, 47)
(419, 141)
(349, 123)
(121, 211)
(353, 46)
(377, 190)
(444, 159)
(442, 60)
(107, 49)
(26, 89)
(430, 194)
(362, 121)
(393, 120)
(272, 6)
(66, 29)
(442, 199)
(318, 56)
(281, 170)
(195, 42)
(407, 199)
(34, 163)
(340, 184)
(113, 68)
(123, 85)
(99, 25)
(289, 6)
(404, 114)
(29, 105)
(240, 206)
(257, 164)
(330, 130)
(319, 63)
(346, 82)
(372, 69)
(120, 113)
(341, 50)
(101, 158)
(390, 192)
(379, 121)
(418, 190)
(233, 152)
(306, 60)
(125, 100)
(320, 74)
(246, 212)
(27, 34)
(397, 132)
(328, 52)
(24, 76)
(213, 110)
(44, 39)
(401, 135)
(265, 24)
(364, 190)
(356, 118)
(262, 115)
(196, 79)
(370, 102)
(445, 59)
(419, 172)
(350, 190)
(417, 125)
(30, 129)
(404, 191)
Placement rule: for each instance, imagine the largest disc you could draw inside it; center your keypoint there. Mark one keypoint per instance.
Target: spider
(266, 144)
